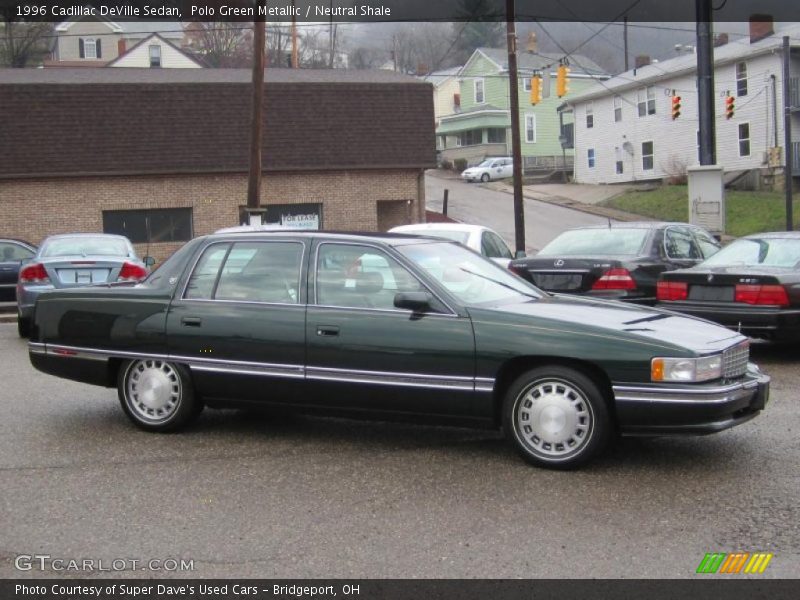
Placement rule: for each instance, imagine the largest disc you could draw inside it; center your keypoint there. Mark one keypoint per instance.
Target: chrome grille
(734, 360)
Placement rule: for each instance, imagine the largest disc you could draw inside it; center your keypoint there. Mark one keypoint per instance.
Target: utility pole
(516, 143)
(787, 132)
(294, 38)
(705, 82)
(625, 39)
(254, 180)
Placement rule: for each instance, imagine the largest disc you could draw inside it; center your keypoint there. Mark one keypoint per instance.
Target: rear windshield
(593, 242)
(781, 252)
(85, 246)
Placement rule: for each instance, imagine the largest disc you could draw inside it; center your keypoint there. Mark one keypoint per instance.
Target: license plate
(83, 277)
(558, 281)
(711, 293)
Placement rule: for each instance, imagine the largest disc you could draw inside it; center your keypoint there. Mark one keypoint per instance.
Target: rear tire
(485, 177)
(157, 395)
(556, 417)
(23, 326)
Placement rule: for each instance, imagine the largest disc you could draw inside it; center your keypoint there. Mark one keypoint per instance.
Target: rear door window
(680, 244)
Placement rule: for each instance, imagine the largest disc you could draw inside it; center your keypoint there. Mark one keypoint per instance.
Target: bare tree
(221, 44)
(366, 58)
(22, 44)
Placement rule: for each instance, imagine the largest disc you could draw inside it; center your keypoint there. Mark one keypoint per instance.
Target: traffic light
(730, 106)
(562, 80)
(676, 107)
(536, 89)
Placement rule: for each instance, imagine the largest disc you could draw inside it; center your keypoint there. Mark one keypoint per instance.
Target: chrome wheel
(554, 418)
(153, 390)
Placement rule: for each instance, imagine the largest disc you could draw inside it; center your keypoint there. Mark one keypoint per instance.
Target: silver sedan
(72, 260)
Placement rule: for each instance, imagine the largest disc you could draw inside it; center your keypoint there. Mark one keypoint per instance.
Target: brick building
(162, 155)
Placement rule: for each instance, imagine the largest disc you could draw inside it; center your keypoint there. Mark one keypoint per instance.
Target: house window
(155, 56)
(526, 84)
(150, 225)
(496, 135)
(589, 115)
(479, 95)
(744, 139)
(620, 165)
(530, 128)
(617, 109)
(590, 156)
(473, 137)
(647, 156)
(741, 79)
(646, 101)
(89, 48)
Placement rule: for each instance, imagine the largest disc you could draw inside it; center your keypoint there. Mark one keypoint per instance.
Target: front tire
(556, 417)
(157, 395)
(485, 177)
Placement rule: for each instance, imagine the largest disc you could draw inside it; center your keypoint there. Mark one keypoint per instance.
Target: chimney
(641, 61)
(422, 69)
(120, 47)
(720, 40)
(760, 27)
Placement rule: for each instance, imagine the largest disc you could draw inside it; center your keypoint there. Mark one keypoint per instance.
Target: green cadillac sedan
(393, 326)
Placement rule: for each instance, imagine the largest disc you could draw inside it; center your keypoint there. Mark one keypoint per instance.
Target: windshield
(593, 242)
(85, 246)
(486, 163)
(469, 277)
(780, 252)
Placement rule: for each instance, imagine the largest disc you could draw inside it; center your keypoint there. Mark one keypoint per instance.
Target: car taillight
(34, 273)
(131, 272)
(521, 271)
(773, 295)
(615, 279)
(672, 291)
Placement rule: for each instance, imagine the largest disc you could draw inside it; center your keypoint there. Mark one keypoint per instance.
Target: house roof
(147, 40)
(81, 122)
(130, 29)
(733, 51)
(437, 78)
(527, 61)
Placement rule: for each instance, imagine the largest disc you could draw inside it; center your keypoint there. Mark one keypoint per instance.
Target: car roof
(18, 241)
(440, 227)
(634, 225)
(773, 235)
(392, 239)
(61, 236)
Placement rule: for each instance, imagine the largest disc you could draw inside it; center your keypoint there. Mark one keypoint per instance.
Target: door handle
(191, 321)
(327, 331)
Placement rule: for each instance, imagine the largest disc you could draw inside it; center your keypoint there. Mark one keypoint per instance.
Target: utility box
(707, 197)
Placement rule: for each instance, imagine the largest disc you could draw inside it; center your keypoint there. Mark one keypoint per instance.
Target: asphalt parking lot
(288, 497)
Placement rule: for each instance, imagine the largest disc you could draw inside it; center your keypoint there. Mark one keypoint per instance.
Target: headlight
(686, 369)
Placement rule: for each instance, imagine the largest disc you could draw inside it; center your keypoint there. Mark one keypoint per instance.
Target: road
(477, 204)
(291, 497)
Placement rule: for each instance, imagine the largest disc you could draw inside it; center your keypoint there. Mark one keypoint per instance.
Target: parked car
(481, 239)
(619, 261)
(489, 169)
(752, 285)
(12, 254)
(390, 326)
(74, 260)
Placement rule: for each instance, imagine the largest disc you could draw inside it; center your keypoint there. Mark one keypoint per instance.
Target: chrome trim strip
(8, 285)
(398, 311)
(715, 395)
(215, 365)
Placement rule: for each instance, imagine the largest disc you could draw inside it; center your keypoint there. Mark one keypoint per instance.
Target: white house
(625, 131)
(155, 52)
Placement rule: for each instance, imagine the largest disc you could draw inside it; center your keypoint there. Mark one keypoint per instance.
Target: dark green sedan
(393, 326)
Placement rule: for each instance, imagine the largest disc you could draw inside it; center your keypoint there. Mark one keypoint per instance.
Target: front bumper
(690, 409)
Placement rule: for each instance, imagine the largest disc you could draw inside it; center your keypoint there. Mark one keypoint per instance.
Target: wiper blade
(646, 319)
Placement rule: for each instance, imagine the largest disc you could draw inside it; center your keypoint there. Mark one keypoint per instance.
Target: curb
(8, 318)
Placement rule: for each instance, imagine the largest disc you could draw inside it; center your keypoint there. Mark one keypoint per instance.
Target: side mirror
(413, 301)
(520, 254)
(149, 261)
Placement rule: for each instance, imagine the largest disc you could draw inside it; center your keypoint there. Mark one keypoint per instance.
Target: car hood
(621, 320)
(742, 270)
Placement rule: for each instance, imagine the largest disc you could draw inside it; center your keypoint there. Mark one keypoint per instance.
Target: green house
(481, 125)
